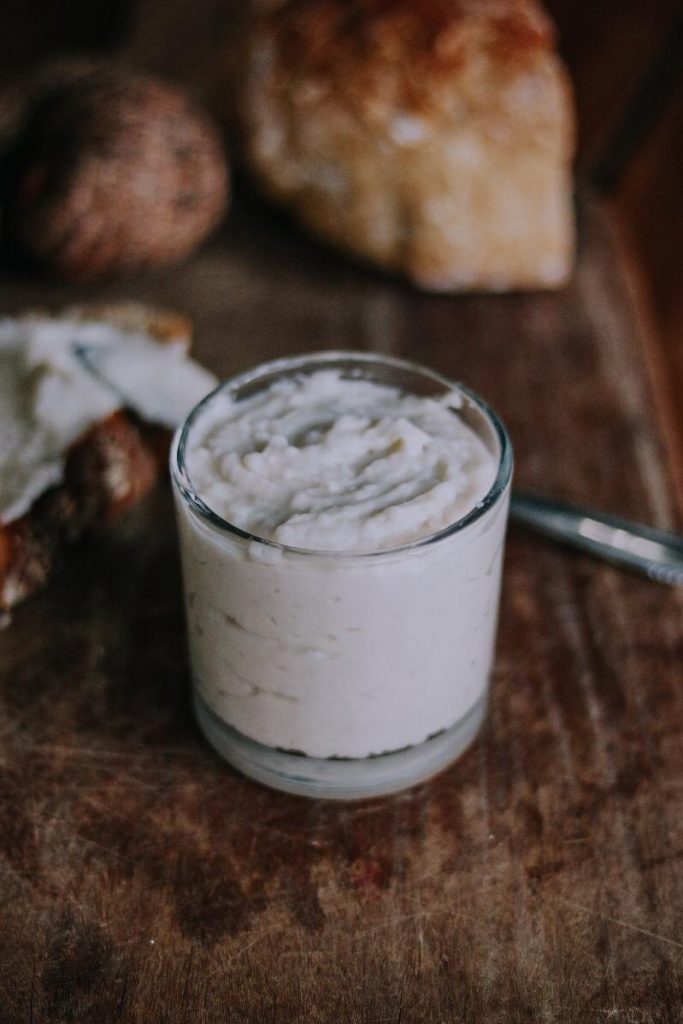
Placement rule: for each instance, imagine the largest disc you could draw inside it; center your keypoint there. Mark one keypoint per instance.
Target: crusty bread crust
(161, 324)
(106, 472)
(431, 137)
(377, 57)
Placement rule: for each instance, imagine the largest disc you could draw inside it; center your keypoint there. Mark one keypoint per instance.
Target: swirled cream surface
(347, 639)
(331, 463)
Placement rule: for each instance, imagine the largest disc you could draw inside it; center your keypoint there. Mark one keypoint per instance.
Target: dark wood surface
(538, 879)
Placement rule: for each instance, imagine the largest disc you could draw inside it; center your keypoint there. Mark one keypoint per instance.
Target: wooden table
(538, 879)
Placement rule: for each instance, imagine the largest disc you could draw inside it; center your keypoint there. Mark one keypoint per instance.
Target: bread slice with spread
(88, 400)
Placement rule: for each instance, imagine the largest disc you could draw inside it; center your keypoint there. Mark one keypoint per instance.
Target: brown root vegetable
(106, 171)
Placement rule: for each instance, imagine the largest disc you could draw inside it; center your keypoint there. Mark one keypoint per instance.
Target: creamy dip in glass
(342, 520)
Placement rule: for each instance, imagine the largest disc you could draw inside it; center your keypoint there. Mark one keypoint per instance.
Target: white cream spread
(328, 463)
(58, 378)
(341, 654)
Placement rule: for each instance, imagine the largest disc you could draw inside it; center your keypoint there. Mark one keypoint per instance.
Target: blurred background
(624, 57)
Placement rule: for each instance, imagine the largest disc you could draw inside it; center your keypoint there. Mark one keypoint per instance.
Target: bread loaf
(430, 137)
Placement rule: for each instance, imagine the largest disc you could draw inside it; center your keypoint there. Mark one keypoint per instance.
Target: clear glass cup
(343, 675)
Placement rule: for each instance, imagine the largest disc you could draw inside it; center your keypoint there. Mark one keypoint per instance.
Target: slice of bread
(106, 471)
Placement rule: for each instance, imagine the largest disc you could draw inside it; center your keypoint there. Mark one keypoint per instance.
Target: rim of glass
(302, 362)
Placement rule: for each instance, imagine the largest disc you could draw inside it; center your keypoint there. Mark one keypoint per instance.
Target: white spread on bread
(58, 378)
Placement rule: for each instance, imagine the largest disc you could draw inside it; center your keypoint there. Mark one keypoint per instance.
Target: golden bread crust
(376, 57)
(137, 317)
(433, 138)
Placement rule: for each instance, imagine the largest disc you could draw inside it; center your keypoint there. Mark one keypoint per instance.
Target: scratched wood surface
(538, 879)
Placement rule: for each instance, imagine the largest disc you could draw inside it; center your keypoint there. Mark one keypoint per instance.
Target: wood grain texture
(538, 879)
(651, 219)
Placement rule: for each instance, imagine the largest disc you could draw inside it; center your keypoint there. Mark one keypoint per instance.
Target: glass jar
(343, 675)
